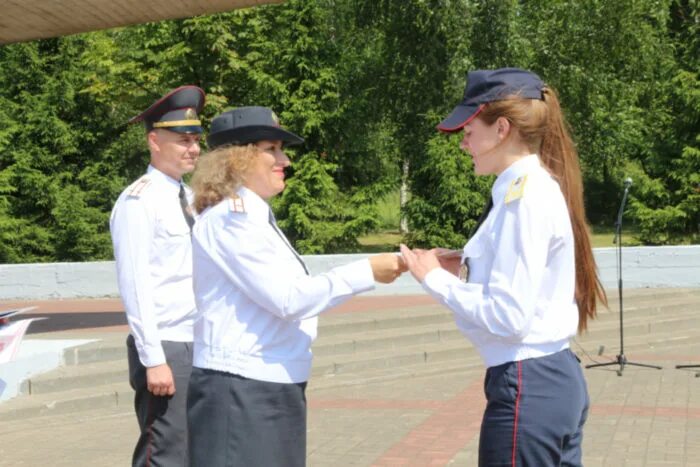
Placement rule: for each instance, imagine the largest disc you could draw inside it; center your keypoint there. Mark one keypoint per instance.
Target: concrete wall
(676, 266)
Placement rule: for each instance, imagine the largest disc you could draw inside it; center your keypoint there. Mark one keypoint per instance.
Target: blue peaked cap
(484, 86)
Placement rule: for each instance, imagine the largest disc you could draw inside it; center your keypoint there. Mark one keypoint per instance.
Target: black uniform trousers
(162, 419)
(535, 412)
(236, 421)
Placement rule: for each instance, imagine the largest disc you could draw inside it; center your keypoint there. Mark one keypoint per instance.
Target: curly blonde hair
(220, 173)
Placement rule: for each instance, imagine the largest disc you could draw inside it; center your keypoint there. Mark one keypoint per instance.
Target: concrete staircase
(372, 346)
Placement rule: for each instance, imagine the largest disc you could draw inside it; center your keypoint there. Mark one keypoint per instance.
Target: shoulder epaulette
(139, 186)
(235, 204)
(516, 189)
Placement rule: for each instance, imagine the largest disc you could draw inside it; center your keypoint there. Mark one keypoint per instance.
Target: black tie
(185, 207)
(273, 223)
(483, 216)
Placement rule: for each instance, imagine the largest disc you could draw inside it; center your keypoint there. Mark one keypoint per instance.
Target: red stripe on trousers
(150, 431)
(517, 410)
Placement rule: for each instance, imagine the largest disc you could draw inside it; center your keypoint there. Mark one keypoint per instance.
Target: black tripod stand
(697, 375)
(621, 358)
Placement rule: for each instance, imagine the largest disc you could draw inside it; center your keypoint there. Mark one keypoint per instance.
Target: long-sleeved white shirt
(256, 306)
(519, 301)
(153, 253)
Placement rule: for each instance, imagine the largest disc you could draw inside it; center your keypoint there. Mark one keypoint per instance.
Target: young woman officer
(531, 280)
(257, 303)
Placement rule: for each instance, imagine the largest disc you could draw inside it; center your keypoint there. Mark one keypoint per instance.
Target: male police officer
(151, 224)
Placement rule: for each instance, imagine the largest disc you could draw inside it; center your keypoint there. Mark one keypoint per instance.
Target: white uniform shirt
(153, 253)
(519, 300)
(256, 306)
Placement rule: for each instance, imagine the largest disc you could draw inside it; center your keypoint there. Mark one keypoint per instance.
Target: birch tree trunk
(403, 225)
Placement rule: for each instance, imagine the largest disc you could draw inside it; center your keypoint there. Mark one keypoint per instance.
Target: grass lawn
(603, 237)
(388, 240)
(380, 242)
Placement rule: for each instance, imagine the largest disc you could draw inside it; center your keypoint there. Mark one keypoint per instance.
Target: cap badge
(275, 118)
(190, 114)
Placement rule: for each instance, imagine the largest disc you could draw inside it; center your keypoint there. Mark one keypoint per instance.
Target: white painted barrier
(668, 266)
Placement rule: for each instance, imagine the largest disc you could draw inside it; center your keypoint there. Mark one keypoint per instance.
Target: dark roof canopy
(24, 20)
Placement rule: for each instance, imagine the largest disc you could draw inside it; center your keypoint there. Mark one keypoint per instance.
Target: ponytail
(541, 125)
(559, 155)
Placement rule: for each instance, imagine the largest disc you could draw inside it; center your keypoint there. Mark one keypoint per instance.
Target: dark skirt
(236, 421)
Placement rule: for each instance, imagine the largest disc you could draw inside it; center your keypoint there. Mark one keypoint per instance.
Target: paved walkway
(646, 417)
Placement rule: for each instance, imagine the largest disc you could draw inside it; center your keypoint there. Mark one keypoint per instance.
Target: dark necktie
(185, 207)
(273, 223)
(483, 216)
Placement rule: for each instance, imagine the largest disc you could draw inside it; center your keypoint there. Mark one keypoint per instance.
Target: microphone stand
(697, 374)
(621, 359)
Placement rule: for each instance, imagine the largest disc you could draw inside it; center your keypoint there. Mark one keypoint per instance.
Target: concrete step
(649, 307)
(643, 306)
(650, 294)
(642, 342)
(78, 376)
(74, 400)
(407, 355)
(363, 368)
(369, 347)
(361, 349)
(357, 322)
(103, 351)
(382, 375)
(80, 388)
(597, 330)
(385, 339)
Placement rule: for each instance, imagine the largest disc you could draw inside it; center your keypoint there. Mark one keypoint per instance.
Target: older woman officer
(531, 279)
(257, 303)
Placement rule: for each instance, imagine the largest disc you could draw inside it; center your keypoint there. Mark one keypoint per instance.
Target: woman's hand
(386, 267)
(420, 262)
(450, 260)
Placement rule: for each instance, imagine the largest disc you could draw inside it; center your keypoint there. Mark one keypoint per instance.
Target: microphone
(618, 223)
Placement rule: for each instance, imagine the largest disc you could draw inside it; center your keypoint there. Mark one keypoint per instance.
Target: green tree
(317, 217)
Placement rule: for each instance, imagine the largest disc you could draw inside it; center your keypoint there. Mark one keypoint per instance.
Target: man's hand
(420, 262)
(159, 380)
(386, 267)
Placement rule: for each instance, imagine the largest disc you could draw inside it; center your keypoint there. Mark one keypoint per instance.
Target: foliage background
(365, 82)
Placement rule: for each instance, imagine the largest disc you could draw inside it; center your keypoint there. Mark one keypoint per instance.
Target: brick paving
(644, 418)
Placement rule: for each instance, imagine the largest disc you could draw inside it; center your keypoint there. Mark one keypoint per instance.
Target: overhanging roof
(24, 20)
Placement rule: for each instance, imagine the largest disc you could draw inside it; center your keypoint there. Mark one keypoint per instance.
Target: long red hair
(541, 125)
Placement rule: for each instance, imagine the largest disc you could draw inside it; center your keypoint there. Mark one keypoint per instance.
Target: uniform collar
(159, 177)
(256, 208)
(517, 169)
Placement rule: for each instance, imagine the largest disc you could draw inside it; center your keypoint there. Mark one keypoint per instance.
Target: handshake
(387, 267)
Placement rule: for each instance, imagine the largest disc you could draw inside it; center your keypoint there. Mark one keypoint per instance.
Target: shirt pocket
(477, 256)
(177, 229)
(478, 246)
(173, 234)
(174, 226)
